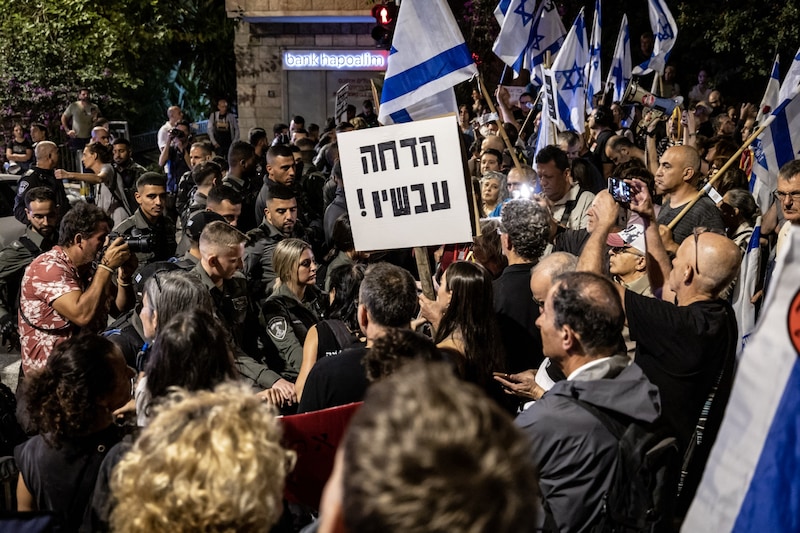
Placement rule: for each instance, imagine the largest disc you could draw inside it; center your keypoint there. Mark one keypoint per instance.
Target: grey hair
(173, 292)
(528, 227)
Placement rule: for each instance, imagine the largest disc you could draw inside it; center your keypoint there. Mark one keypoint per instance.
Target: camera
(177, 133)
(139, 241)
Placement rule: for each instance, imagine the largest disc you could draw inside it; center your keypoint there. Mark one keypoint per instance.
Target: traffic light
(385, 16)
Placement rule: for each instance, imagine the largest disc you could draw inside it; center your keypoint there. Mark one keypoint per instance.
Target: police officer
(40, 236)
(151, 221)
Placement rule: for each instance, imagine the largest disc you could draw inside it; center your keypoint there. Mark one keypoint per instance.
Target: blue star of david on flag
(573, 78)
(520, 10)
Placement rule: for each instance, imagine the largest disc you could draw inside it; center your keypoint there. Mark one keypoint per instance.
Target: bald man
(42, 175)
(676, 178)
(686, 340)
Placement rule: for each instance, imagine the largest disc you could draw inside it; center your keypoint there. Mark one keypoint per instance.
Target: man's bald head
(549, 268)
(494, 142)
(718, 259)
(690, 157)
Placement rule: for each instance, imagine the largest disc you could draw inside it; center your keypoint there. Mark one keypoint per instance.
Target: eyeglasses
(306, 263)
(782, 195)
(537, 301)
(625, 250)
(696, 232)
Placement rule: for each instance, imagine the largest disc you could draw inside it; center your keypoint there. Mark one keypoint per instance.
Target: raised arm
(659, 265)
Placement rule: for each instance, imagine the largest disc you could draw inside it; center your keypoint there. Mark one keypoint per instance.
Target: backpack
(641, 496)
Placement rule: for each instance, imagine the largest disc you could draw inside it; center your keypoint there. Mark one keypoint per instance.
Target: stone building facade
(268, 89)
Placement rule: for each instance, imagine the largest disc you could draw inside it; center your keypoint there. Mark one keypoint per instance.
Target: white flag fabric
(570, 82)
(546, 134)
(778, 144)
(513, 42)
(665, 32)
(548, 34)
(428, 57)
(501, 10)
(770, 100)
(791, 83)
(594, 69)
(619, 75)
(746, 287)
(751, 480)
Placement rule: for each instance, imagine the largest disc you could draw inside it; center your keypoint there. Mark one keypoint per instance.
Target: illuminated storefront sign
(335, 59)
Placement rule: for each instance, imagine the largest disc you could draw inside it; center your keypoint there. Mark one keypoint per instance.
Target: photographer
(175, 155)
(148, 232)
(66, 290)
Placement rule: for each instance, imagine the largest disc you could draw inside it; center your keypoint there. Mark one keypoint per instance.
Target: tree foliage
(136, 56)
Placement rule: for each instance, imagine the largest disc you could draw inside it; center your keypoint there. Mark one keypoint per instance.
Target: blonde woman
(293, 307)
(208, 461)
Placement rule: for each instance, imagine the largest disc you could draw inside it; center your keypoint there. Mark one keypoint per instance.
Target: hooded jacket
(573, 450)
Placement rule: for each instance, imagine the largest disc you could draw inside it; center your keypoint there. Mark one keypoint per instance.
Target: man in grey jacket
(581, 326)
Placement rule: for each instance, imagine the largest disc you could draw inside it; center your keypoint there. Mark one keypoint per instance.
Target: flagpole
(719, 173)
(530, 113)
(500, 129)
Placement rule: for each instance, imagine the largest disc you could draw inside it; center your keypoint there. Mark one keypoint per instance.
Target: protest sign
(405, 186)
(341, 102)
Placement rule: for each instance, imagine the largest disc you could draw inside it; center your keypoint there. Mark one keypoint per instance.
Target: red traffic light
(384, 14)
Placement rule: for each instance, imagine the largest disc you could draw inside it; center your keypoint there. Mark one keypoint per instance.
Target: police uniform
(162, 234)
(258, 258)
(40, 177)
(14, 259)
(232, 307)
(288, 320)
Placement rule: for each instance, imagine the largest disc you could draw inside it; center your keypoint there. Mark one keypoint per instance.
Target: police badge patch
(277, 328)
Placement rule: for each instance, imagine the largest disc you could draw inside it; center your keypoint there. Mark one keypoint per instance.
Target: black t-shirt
(703, 213)
(335, 380)
(516, 316)
(63, 479)
(682, 351)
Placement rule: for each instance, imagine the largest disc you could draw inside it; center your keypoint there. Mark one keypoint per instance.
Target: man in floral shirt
(64, 291)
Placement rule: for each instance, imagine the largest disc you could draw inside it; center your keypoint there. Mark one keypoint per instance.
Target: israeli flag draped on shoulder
(566, 79)
(619, 75)
(593, 69)
(427, 58)
(778, 144)
(751, 480)
(665, 32)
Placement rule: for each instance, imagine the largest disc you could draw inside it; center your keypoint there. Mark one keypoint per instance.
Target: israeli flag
(516, 34)
(770, 100)
(548, 34)
(791, 83)
(778, 144)
(665, 31)
(567, 81)
(751, 481)
(619, 75)
(427, 58)
(500, 11)
(593, 69)
(745, 288)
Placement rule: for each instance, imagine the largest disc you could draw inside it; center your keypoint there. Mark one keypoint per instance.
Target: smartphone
(620, 190)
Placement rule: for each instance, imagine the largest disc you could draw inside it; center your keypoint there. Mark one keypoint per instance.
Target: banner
(405, 185)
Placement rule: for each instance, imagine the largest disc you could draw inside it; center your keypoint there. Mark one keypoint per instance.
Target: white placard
(404, 185)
